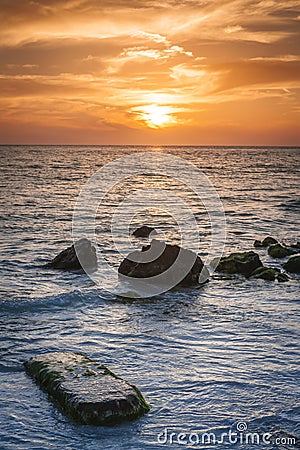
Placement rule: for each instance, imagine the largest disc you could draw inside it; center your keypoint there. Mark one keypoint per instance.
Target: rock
(296, 245)
(265, 273)
(159, 258)
(278, 251)
(268, 241)
(282, 277)
(257, 243)
(86, 391)
(143, 231)
(244, 263)
(293, 264)
(68, 259)
(269, 274)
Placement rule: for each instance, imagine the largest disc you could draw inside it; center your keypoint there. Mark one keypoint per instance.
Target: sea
(219, 364)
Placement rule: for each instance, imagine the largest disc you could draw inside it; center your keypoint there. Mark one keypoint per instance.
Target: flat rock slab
(86, 391)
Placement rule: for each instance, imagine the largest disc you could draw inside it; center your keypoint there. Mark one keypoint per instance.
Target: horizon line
(155, 145)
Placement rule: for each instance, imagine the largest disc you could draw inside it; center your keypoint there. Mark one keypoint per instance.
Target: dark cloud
(251, 73)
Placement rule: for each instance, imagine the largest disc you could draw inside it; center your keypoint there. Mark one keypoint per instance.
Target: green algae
(265, 273)
(86, 391)
(278, 251)
(240, 262)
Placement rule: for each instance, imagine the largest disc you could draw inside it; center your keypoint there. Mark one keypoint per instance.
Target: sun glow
(157, 116)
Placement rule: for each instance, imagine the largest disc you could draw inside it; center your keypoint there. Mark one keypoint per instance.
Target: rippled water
(205, 358)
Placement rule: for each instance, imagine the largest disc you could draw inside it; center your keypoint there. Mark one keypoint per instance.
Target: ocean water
(207, 360)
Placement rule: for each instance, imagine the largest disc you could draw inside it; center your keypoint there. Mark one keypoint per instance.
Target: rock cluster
(90, 393)
(275, 249)
(249, 265)
(244, 263)
(280, 251)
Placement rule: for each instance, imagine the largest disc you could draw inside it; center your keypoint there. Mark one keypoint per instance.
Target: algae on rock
(88, 392)
(240, 262)
(278, 251)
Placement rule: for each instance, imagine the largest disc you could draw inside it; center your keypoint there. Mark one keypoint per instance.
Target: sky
(150, 72)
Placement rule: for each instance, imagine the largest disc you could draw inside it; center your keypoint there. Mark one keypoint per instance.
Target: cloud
(233, 29)
(104, 63)
(282, 58)
(144, 52)
(154, 37)
(205, 20)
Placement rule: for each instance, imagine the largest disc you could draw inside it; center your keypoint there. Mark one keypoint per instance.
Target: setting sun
(157, 116)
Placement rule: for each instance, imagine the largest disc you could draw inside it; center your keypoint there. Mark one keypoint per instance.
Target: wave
(290, 204)
(74, 298)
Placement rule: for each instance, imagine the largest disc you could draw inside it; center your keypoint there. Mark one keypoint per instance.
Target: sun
(156, 116)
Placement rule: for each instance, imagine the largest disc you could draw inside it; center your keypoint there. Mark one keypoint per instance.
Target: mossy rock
(257, 243)
(269, 274)
(293, 264)
(278, 251)
(244, 263)
(282, 277)
(265, 273)
(86, 391)
(269, 240)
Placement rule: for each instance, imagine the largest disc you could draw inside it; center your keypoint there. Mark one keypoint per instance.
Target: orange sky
(150, 72)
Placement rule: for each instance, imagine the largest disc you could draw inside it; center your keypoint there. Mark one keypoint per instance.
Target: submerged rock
(82, 253)
(86, 391)
(278, 251)
(143, 231)
(250, 265)
(282, 277)
(155, 259)
(269, 274)
(240, 262)
(266, 242)
(293, 264)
